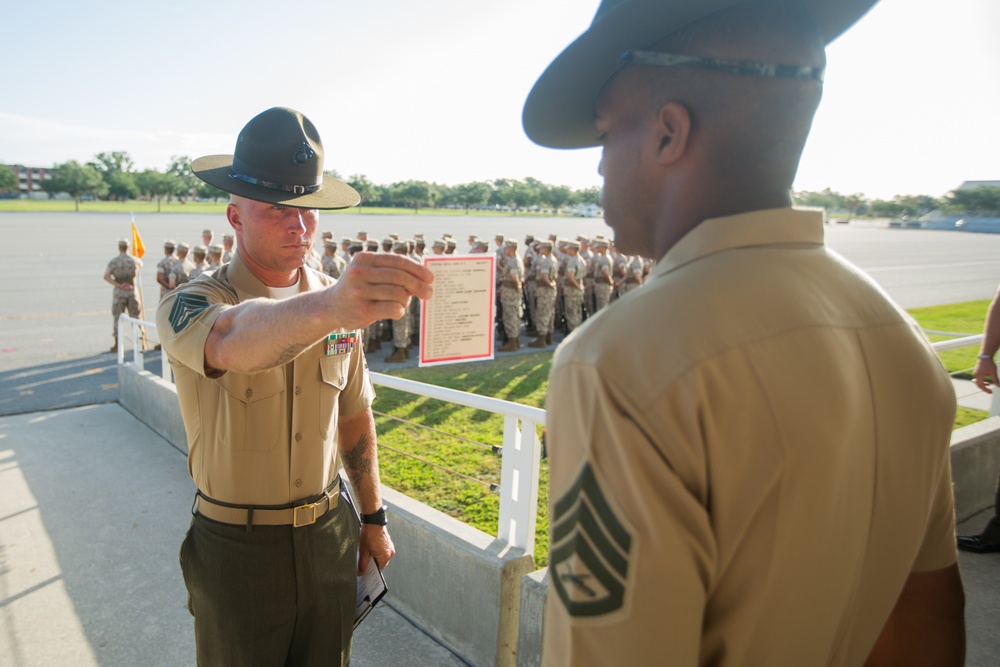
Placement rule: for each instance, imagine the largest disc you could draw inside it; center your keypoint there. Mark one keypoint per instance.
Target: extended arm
(359, 453)
(263, 333)
(927, 626)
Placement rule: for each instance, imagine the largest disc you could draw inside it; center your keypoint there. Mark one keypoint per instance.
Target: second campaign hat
(559, 111)
(279, 160)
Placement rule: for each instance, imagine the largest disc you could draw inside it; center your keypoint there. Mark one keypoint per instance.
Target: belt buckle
(296, 522)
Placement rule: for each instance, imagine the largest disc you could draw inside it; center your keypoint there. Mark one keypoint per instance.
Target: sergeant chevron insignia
(185, 307)
(591, 549)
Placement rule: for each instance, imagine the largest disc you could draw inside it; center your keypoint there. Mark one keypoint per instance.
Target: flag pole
(138, 250)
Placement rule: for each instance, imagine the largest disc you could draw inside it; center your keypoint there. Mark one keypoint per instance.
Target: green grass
(964, 318)
(524, 379)
(147, 207)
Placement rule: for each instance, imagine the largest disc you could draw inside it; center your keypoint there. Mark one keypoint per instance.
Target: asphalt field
(55, 308)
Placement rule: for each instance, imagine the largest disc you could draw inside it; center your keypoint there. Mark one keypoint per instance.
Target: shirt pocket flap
(333, 371)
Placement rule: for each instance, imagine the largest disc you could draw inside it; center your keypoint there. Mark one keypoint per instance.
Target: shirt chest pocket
(252, 410)
(333, 379)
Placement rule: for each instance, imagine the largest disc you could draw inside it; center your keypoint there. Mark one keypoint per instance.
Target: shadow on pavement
(64, 384)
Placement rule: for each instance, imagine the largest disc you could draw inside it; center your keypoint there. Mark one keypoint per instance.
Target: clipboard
(371, 585)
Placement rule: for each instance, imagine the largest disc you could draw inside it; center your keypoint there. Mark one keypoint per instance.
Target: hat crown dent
(282, 146)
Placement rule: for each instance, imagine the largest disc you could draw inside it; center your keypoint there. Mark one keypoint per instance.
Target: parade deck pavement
(93, 508)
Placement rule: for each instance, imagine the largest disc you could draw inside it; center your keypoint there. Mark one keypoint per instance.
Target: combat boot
(548, 338)
(398, 356)
(538, 342)
(512, 345)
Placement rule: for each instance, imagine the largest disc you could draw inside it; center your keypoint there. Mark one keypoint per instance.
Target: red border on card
(424, 360)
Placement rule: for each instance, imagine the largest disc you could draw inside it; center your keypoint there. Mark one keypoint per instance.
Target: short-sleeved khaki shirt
(748, 457)
(267, 438)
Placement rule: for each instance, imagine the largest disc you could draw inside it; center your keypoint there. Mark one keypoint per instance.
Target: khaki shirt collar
(757, 228)
(248, 286)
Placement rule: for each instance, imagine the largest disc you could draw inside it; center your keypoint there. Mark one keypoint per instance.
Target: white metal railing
(521, 458)
(521, 455)
(968, 341)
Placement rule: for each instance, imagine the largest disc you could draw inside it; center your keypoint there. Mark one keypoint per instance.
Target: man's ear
(233, 216)
(674, 132)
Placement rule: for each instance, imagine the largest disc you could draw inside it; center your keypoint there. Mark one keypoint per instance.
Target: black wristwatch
(376, 518)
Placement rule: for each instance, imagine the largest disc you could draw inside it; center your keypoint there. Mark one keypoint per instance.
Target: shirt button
(298, 482)
(249, 393)
(298, 436)
(298, 390)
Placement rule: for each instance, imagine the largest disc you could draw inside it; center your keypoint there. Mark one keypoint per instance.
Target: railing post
(519, 470)
(995, 403)
(119, 338)
(137, 344)
(165, 369)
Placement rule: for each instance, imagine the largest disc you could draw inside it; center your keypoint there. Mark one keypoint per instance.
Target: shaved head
(753, 128)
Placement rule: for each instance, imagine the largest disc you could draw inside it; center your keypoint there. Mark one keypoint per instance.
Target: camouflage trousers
(529, 300)
(628, 287)
(510, 299)
(602, 295)
(573, 302)
(401, 332)
(545, 301)
(119, 304)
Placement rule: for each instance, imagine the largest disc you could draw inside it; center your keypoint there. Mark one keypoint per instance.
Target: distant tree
(855, 203)
(472, 195)
(121, 185)
(76, 180)
(586, 197)
(186, 181)
(8, 179)
(556, 196)
(416, 193)
(153, 183)
(886, 209)
(983, 200)
(208, 191)
(364, 187)
(524, 194)
(115, 168)
(334, 173)
(828, 199)
(115, 161)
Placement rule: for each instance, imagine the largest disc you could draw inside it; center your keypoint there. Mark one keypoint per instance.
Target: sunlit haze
(433, 90)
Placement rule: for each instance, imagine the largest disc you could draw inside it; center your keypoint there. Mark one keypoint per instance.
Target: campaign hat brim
(559, 110)
(216, 169)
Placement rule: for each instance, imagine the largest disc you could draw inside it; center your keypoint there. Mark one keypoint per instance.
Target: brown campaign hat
(279, 160)
(559, 111)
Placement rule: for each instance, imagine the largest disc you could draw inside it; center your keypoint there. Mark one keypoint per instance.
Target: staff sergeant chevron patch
(591, 548)
(185, 307)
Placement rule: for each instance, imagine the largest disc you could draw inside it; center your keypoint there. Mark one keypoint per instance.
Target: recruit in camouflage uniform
(545, 295)
(530, 273)
(511, 281)
(164, 267)
(121, 273)
(400, 327)
(180, 272)
(573, 277)
(603, 276)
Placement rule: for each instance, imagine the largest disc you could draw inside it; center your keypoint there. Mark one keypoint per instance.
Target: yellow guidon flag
(138, 249)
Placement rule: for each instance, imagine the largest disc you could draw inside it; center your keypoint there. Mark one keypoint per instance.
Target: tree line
(112, 176)
(983, 200)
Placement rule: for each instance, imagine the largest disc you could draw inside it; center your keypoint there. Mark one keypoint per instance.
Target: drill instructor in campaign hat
(275, 395)
(749, 456)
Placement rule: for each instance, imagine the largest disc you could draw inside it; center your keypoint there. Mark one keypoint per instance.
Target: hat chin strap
(294, 189)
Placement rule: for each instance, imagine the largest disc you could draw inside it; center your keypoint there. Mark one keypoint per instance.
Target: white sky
(433, 90)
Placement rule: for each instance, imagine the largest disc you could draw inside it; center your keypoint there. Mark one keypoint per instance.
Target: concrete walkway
(93, 508)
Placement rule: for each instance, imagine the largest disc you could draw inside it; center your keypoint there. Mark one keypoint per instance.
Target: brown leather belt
(303, 513)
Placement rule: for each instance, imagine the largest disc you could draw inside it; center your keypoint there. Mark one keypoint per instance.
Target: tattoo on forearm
(358, 461)
(288, 354)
